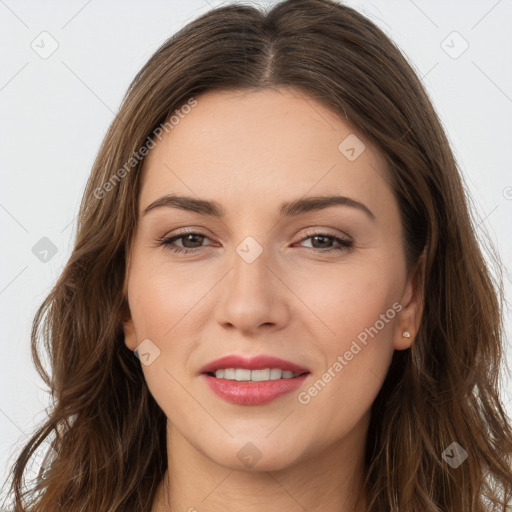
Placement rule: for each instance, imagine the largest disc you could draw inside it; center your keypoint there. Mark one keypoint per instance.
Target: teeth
(275, 373)
(260, 374)
(228, 374)
(242, 374)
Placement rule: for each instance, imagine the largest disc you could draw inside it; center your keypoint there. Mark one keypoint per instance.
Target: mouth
(256, 368)
(252, 381)
(248, 388)
(247, 375)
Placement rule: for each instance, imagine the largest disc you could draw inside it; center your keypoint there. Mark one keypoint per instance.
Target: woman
(276, 299)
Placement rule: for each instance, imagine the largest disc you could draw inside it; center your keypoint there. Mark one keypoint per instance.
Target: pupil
(191, 236)
(321, 237)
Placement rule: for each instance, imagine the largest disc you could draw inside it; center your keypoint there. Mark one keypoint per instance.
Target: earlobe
(407, 339)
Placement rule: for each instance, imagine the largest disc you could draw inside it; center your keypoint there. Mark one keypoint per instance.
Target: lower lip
(253, 393)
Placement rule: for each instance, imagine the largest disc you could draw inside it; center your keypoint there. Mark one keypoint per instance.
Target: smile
(243, 374)
(253, 387)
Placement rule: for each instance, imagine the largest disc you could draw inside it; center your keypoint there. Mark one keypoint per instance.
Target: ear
(130, 336)
(409, 318)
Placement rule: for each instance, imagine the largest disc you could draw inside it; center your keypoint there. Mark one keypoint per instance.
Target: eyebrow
(290, 209)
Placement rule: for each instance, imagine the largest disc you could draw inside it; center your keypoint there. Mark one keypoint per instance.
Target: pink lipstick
(252, 381)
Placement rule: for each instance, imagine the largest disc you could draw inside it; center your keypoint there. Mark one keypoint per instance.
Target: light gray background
(54, 113)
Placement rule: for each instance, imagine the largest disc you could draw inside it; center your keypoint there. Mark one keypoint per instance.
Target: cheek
(162, 313)
(162, 307)
(346, 300)
(355, 316)
(167, 300)
(170, 304)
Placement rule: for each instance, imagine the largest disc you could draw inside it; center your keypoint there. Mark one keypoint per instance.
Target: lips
(260, 362)
(252, 393)
(260, 391)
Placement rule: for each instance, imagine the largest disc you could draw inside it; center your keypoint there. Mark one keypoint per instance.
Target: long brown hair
(108, 433)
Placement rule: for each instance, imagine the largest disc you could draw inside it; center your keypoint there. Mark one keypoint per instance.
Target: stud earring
(406, 334)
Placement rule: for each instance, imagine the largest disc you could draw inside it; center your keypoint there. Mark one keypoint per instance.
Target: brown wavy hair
(108, 433)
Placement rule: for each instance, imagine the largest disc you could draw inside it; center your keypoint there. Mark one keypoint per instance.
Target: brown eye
(191, 242)
(322, 242)
(191, 238)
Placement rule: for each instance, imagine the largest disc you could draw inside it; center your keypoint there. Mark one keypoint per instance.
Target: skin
(250, 151)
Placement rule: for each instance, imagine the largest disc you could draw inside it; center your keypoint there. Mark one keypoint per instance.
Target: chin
(254, 456)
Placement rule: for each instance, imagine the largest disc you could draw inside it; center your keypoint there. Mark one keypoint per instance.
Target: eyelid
(309, 232)
(183, 234)
(342, 243)
(325, 231)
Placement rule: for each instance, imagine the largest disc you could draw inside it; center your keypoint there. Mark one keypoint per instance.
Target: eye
(189, 237)
(344, 244)
(196, 239)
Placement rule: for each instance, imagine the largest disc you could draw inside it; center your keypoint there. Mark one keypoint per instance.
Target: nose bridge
(250, 263)
(253, 260)
(251, 296)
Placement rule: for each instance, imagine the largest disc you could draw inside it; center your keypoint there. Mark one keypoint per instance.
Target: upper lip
(259, 362)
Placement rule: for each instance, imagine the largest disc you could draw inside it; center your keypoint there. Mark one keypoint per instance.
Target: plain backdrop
(64, 69)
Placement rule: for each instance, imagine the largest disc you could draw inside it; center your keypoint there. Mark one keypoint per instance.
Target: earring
(406, 334)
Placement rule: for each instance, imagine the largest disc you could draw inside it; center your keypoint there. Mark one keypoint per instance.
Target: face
(323, 287)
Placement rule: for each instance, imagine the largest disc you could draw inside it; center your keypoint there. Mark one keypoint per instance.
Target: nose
(253, 294)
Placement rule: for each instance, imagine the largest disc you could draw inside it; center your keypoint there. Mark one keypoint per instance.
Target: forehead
(245, 146)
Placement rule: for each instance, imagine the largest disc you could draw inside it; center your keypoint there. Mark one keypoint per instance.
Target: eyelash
(344, 244)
